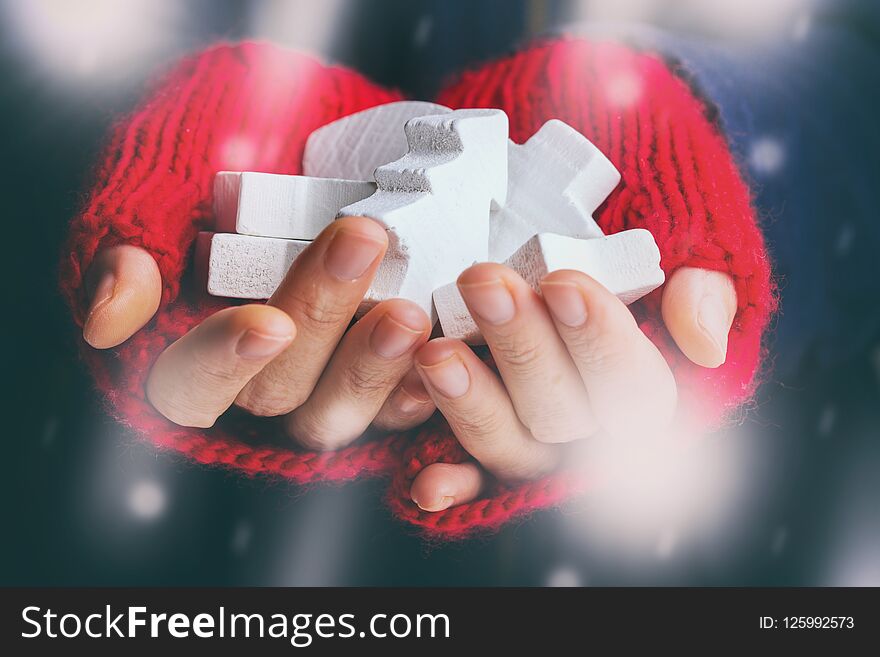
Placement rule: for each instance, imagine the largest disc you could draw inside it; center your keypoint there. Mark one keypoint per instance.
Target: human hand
(571, 362)
(291, 356)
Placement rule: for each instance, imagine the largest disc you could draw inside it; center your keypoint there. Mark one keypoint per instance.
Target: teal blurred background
(787, 497)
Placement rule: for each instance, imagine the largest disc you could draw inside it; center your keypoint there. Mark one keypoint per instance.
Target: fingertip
(571, 277)
(595, 296)
(476, 279)
(362, 226)
(263, 331)
(264, 318)
(698, 308)
(124, 286)
(429, 501)
(405, 312)
(95, 324)
(438, 350)
(196, 378)
(483, 272)
(585, 306)
(443, 485)
(713, 322)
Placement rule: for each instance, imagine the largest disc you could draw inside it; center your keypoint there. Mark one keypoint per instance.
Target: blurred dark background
(789, 496)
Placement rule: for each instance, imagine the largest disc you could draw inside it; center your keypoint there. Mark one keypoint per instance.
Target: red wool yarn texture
(252, 107)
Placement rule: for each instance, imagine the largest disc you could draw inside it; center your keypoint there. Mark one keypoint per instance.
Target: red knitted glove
(253, 106)
(250, 107)
(678, 180)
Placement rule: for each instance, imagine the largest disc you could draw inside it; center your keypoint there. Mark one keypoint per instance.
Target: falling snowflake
(146, 500)
(767, 155)
(238, 154)
(422, 33)
(623, 89)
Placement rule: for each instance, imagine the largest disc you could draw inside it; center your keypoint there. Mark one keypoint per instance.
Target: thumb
(698, 308)
(124, 287)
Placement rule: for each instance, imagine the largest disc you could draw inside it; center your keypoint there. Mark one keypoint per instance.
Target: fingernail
(350, 254)
(449, 377)
(444, 503)
(391, 338)
(713, 320)
(255, 345)
(103, 291)
(566, 302)
(406, 402)
(491, 300)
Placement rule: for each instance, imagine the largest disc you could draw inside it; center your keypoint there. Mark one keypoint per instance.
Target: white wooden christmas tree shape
(290, 207)
(355, 145)
(435, 202)
(627, 263)
(556, 180)
(456, 191)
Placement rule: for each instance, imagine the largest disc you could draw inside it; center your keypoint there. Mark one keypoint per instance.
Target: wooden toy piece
(243, 266)
(556, 180)
(627, 263)
(435, 202)
(290, 207)
(354, 146)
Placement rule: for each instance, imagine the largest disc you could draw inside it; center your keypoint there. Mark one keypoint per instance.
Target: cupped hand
(294, 356)
(571, 362)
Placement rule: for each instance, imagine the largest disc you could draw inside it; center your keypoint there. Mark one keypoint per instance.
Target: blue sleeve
(801, 116)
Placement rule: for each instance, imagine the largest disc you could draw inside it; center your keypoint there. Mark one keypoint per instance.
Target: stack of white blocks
(264, 221)
(451, 189)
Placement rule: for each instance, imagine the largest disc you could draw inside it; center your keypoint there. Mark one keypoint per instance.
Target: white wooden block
(271, 205)
(556, 180)
(627, 263)
(354, 146)
(435, 202)
(243, 266)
